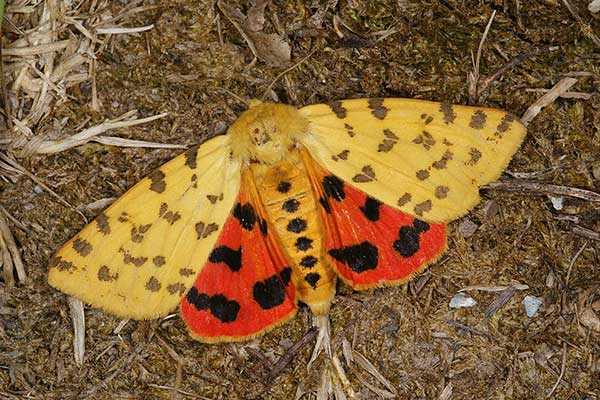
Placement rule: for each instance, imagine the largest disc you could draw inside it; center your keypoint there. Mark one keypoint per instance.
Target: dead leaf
(589, 319)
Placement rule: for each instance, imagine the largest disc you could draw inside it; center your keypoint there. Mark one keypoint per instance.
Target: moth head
(266, 132)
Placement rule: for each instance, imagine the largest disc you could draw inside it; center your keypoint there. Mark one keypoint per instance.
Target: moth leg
(334, 372)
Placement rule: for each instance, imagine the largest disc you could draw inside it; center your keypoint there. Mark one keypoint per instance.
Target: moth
(240, 229)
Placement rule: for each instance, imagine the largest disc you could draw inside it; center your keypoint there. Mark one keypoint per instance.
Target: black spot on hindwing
(269, 293)
(246, 215)
(409, 241)
(334, 187)
(230, 257)
(220, 307)
(371, 209)
(325, 204)
(359, 257)
(420, 226)
(286, 275)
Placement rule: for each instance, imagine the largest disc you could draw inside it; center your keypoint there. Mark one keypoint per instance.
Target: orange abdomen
(293, 211)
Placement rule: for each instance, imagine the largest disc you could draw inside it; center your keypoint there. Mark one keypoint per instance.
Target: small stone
(461, 300)
(558, 202)
(468, 228)
(490, 209)
(532, 305)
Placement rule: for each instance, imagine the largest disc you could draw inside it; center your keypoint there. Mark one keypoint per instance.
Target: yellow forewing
(141, 255)
(427, 159)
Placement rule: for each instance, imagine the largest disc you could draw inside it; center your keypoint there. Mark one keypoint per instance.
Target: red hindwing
(371, 243)
(245, 286)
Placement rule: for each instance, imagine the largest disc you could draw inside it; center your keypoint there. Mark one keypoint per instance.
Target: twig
(459, 325)
(286, 71)
(18, 167)
(561, 87)
(573, 262)
(501, 288)
(11, 258)
(473, 77)
(121, 142)
(562, 370)
(585, 28)
(241, 31)
(291, 352)
(585, 232)
(565, 95)
(78, 319)
(485, 83)
(5, 100)
(544, 189)
(55, 146)
(500, 301)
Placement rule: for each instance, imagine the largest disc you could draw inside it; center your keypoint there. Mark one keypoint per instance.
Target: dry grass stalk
(10, 258)
(78, 318)
(54, 48)
(473, 77)
(543, 188)
(557, 90)
(89, 134)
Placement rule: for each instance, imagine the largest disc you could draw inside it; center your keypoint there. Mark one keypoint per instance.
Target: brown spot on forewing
(377, 108)
(441, 192)
(386, 146)
(341, 156)
(61, 265)
(213, 198)
(475, 155)
(170, 216)
(338, 109)
(153, 285)
(158, 261)
(124, 217)
(422, 207)
(186, 272)
(505, 123)
(210, 228)
(367, 175)
(158, 184)
(137, 232)
(428, 118)
(163, 209)
(448, 111)
(349, 129)
(404, 199)
(442, 163)
(102, 224)
(176, 288)
(203, 230)
(425, 139)
(129, 259)
(478, 119)
(190, 157)
(82, 247)
(344, 155)
(389, 134)
(422, 174)
(105, 275)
